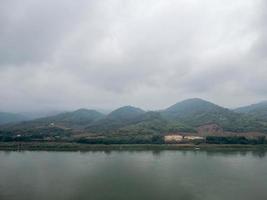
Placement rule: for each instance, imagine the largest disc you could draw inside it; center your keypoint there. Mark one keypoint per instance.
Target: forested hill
(258, 110)
(197, 112)
(184, 116)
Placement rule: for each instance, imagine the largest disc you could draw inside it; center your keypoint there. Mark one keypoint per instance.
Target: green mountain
(76, 119)
(259, 110)
(116, 119)
(125, 113)
(11, 118)
(79, 117)
(154, 123)
(148, 123)
(190, 108)
(197, 112)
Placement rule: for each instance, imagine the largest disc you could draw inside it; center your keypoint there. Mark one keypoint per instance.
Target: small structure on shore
(175, 138)
(190, 137)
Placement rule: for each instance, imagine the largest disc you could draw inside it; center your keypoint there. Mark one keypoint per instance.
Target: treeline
(40, 134)
(31, 138)
(235, 140)
(154, 139)
(65, 136)
(159, 139)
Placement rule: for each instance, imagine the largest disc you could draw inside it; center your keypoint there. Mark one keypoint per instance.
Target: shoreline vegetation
(68, 146)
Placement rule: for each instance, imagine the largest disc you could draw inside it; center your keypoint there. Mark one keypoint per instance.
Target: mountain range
(187, 116)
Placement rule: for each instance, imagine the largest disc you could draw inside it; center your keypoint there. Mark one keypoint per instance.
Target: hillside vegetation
(133, 124)
(258, 111)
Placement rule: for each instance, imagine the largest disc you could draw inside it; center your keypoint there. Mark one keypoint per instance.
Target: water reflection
(169, 174)
(260, 153)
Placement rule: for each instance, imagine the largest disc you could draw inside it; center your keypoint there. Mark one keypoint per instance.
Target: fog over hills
(11, 118)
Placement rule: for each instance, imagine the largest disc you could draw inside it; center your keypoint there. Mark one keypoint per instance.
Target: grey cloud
(104, 54)
(31, 30)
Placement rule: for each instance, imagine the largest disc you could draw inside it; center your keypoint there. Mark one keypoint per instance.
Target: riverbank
(60, 146)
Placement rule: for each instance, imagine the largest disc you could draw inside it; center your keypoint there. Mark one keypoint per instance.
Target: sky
(70, 54)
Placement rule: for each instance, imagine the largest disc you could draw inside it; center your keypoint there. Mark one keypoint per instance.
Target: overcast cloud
(67, 54)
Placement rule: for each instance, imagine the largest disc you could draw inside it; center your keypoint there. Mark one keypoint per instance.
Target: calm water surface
(133, 175)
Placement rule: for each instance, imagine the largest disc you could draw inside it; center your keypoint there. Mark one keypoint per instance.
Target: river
(133, 175)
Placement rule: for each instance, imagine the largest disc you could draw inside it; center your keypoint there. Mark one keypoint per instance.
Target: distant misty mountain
(41, 114)
(258, 110)
(11, 118)
(184, 116)
(75, 119)
(6, 117)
